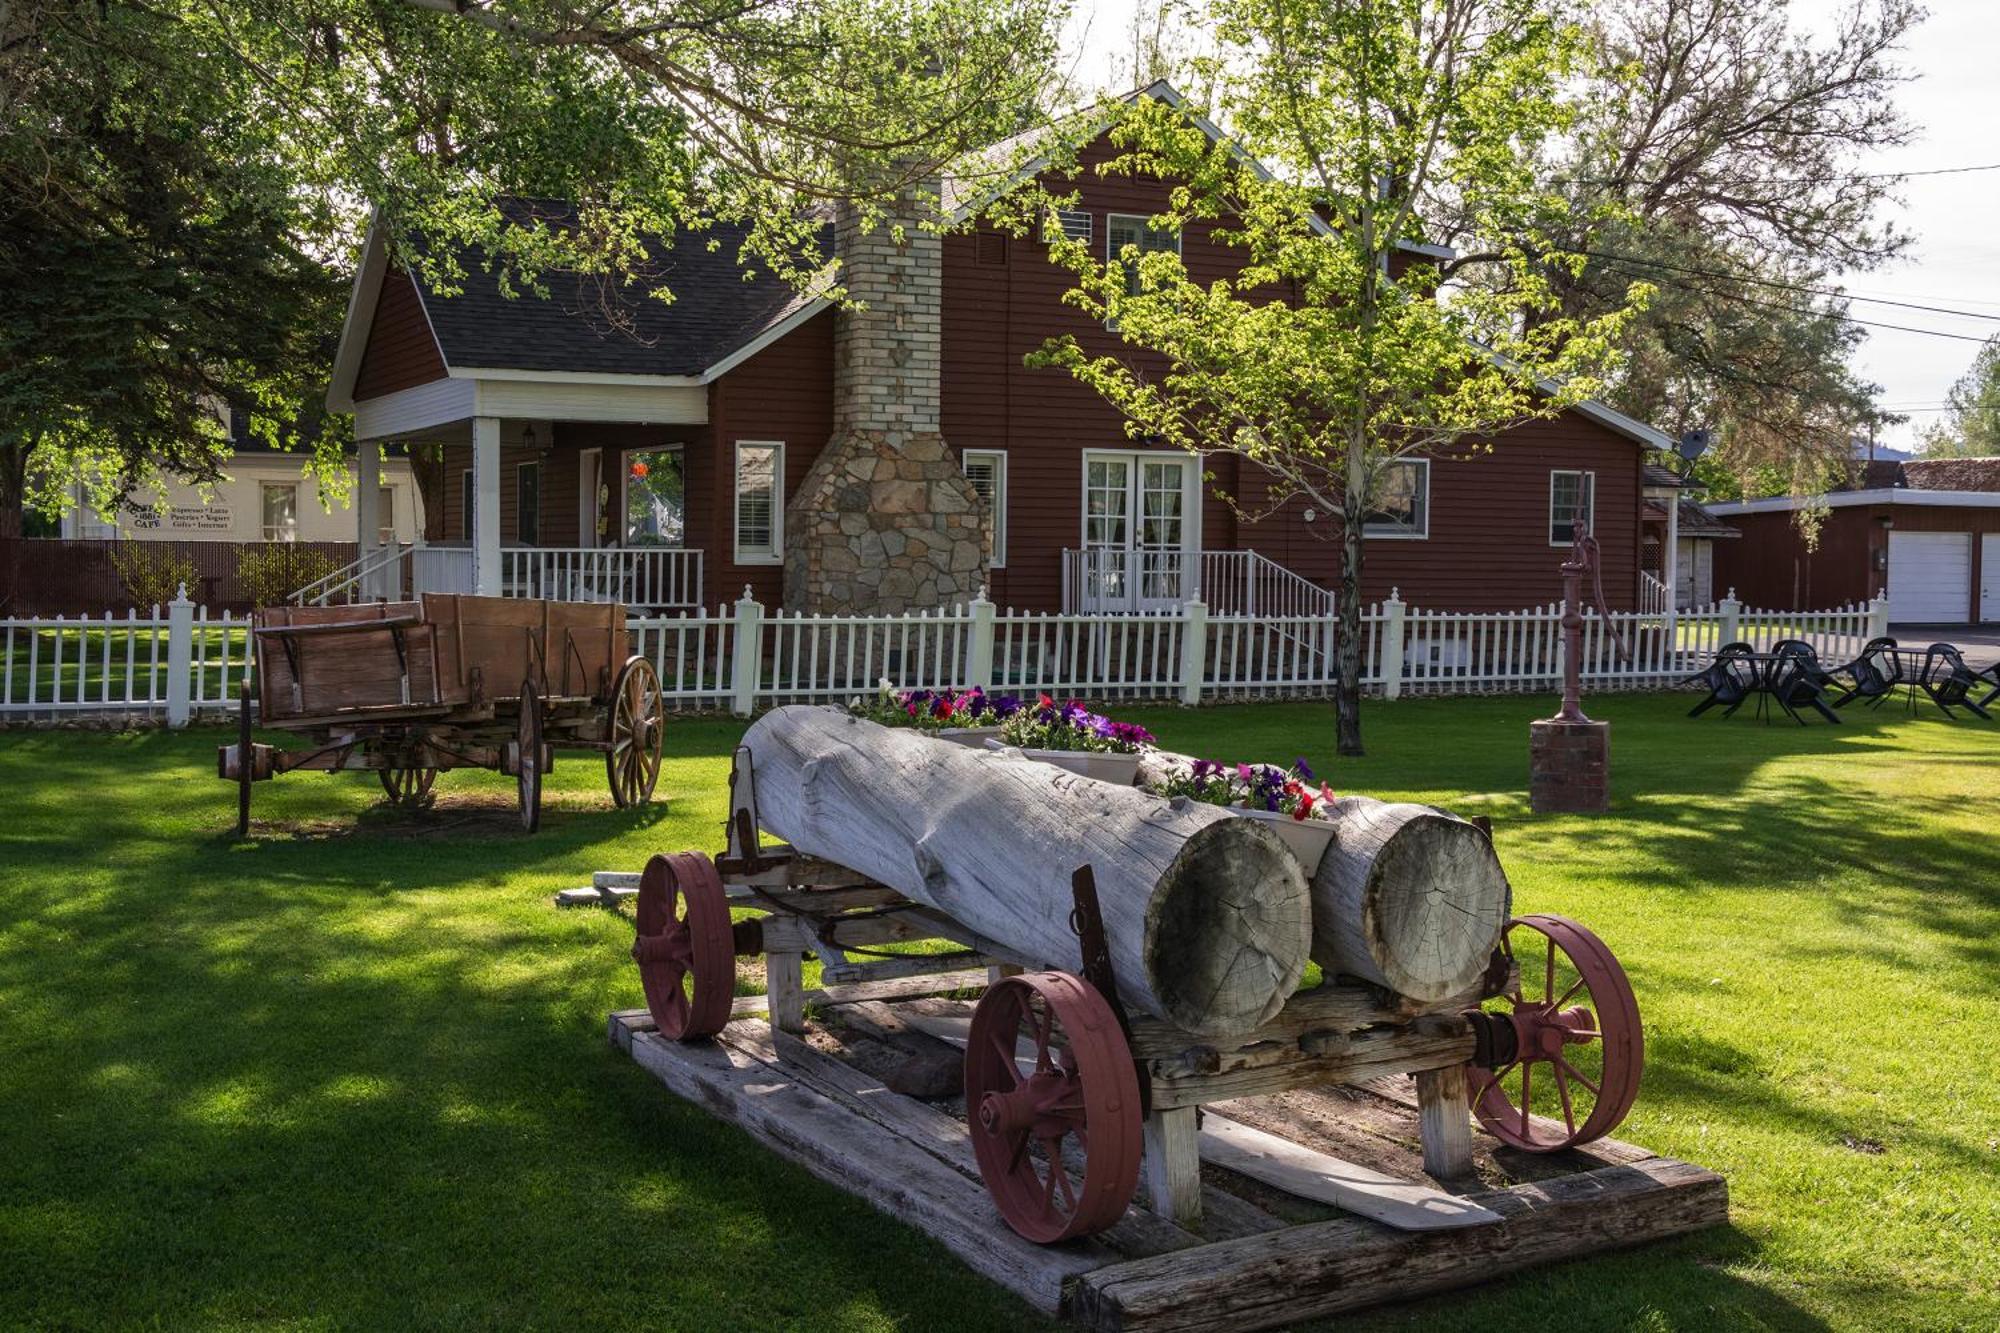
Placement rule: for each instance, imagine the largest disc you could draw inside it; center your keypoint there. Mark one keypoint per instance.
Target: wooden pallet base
(1254, 1264)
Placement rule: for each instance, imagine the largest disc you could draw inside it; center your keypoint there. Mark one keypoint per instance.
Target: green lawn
(353, 1074)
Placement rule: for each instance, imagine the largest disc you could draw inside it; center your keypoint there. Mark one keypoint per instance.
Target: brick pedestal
(1569, 766)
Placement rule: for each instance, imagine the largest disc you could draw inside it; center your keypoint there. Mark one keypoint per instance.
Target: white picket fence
(178, 661)
(740, 657)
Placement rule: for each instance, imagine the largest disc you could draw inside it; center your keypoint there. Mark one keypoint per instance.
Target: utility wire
(1810, 313)
(1797, 180)
(1789, 286)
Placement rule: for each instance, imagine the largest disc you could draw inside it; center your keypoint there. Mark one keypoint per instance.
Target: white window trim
(1385, 532)
(999, 457)
(776, 555)
(1145, 223)
(1591, 520)
(519, 468)
(1191, 493)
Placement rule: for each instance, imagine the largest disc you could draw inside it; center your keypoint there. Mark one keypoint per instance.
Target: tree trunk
(13, 487)
(1408, 896)
(1348, 641)
(1206, 915)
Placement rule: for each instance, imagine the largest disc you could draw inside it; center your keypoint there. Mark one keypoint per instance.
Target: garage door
(1930, 576)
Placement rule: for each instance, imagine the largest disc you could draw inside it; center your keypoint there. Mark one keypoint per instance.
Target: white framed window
(1123, 229)
(528, 504)
(1399, 501)
(760, 513)
(986, 469)
(1572, 500)
(281, 511)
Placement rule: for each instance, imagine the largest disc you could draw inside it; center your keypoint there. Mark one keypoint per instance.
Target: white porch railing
(644, 578)
(1234, 583)
(181, 660)
(1653, 597)
(656, 577)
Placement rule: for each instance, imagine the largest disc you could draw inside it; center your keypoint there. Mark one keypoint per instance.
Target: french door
(1138, 531)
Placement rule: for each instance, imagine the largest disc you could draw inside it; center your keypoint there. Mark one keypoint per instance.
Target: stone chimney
(886, 521)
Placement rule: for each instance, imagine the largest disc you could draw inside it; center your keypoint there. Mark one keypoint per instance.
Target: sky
(1955, 260)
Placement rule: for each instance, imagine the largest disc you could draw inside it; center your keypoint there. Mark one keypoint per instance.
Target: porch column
(486, 506)
(367, 505)
(1670, 563)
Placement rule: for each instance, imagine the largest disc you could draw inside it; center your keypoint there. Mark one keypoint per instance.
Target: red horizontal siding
(400, 352)
(1771, 568)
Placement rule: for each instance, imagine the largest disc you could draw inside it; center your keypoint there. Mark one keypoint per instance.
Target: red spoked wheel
(685, 949)
(1050, 1089)
(1577, 1045)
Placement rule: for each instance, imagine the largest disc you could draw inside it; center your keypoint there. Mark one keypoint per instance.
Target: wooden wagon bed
(408, 690)
(1259, 1257)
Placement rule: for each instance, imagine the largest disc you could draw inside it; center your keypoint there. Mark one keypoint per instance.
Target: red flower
(1047, 702)
(1305, 807)
(639, 471)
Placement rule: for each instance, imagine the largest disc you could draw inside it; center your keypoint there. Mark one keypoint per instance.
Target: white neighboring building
(264, 496)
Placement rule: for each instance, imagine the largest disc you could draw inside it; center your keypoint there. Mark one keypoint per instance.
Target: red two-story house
(900, 455)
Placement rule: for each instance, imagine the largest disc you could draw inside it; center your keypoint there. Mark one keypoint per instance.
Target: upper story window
(760, 518)
(1399, 501)
(1572, 500)
(986, 469)
(281, 511)
(1131, 229)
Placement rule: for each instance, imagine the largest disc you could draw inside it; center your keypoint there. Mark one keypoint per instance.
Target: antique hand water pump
(1569, 756)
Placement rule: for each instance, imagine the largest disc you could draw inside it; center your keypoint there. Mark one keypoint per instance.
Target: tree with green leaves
(1721, 157)
(180, 177)
(1333, 351)
(1970, 427)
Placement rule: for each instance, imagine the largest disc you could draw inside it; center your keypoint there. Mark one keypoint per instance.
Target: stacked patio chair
(1949, 681)
(1796, 680)
(1729, 679)
(1874, 674)
(1992, 677)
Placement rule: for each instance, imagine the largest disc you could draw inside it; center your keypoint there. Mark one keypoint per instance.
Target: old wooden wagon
(408, 690)
(1117, 1012)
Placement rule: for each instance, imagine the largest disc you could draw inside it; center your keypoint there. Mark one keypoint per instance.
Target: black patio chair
(1992, 677)
(1729, 679)
(1874, 674)
(1796, 681)
(1949, 681)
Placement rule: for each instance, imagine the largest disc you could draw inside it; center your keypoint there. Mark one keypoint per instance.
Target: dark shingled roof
(1952, 474)
(602, 327)
(1695, 521)
(1657, 475)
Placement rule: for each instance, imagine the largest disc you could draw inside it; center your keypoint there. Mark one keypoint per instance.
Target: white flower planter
(1307, 839)
(1106, 766)
(976, 737)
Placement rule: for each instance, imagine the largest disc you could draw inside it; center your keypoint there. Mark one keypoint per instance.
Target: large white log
(1206, 915)
(1408, 896)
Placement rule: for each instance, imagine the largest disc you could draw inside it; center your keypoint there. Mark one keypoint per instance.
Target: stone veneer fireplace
(886, 521)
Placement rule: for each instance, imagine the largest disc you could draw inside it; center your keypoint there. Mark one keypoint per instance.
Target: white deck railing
(741, 657)
(1233, 583)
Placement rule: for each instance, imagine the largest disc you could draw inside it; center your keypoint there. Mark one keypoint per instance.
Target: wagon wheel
(1049, 1087)
(408, 788)
(638, 718)
(685, 947)
(244, 753)
(1578, 1046)
(528, 756)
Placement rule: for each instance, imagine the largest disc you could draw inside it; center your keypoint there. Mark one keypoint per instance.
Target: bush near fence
(182, 660)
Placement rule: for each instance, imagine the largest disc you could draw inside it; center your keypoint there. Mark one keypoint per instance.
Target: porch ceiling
(443, 410)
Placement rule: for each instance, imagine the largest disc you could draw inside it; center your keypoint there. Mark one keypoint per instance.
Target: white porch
(1096, 580)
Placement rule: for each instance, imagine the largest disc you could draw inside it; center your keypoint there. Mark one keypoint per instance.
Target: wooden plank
(1325, 1268)
(848, 1150)
(862, 992)
(1604, 1152)
(1171, 1168)
(1282, 1164)
(785, 987)
(1364, 1055)
(1444, 1122)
